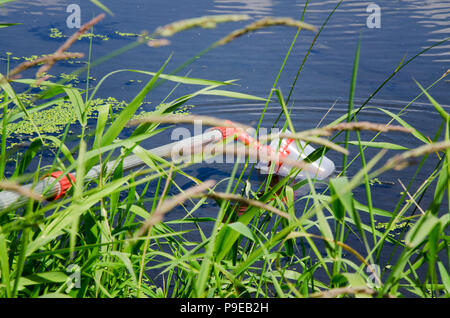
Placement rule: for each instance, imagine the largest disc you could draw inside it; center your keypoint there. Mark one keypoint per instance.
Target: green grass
(94, 232)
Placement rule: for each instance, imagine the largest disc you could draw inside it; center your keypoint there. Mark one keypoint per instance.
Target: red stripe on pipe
(248, 140)
(65, 183)
(284, 151)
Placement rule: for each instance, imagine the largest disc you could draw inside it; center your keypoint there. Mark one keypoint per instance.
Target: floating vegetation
(376, 181)
(70, 78)
(25, 58)
(33, 57)
(55, 33)
(133, 81)
(55, 119)
(125, 34)
(398, 226)
(95, 36)
(142, 35)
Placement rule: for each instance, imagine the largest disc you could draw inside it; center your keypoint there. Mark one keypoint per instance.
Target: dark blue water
(407, 27)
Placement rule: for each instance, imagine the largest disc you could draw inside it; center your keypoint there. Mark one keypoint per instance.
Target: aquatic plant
(55, 33)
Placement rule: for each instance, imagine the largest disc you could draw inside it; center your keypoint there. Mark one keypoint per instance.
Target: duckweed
(55, 33)
(54, 120)
(93, 35)
(47, 121)
(134, 35)
(401, 225)
(69, 78)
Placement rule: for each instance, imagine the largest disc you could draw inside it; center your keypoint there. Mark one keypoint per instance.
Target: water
(407, 27)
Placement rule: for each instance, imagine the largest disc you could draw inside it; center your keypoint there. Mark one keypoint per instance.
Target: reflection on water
(407, 26)
(346, 6)
(253, 7)
(315, 108)
(434, 15)
(38, 7)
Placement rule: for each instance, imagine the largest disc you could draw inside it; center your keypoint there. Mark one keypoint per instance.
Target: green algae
(143, 35)
(54, 120)
(69, 79)
(34, 57)
(47, 121)
(55, 33)
(94, 36)
(125, 34)
(398, 226)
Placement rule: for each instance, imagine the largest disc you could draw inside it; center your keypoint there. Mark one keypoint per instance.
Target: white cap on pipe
(321, 169)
